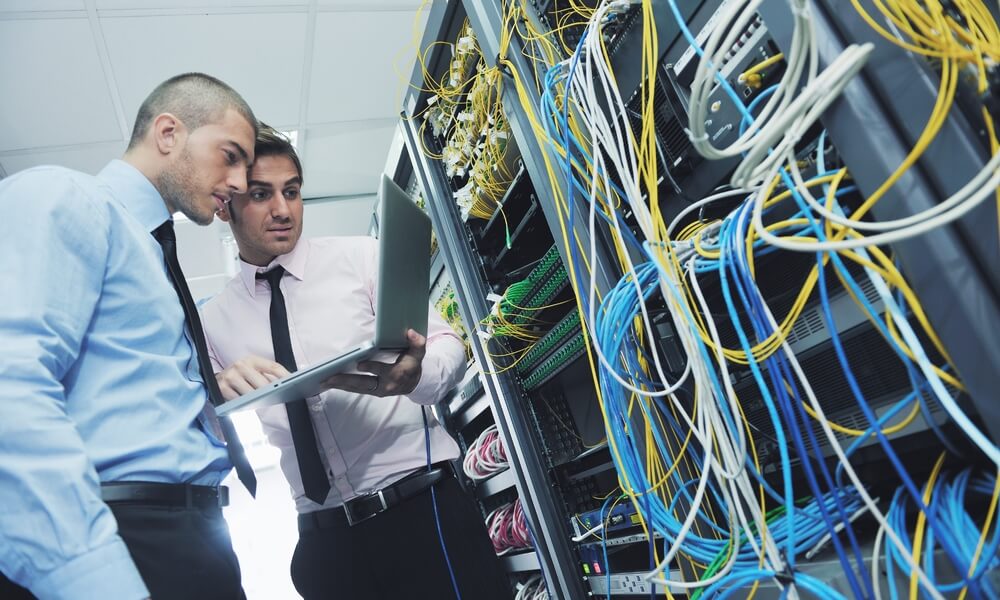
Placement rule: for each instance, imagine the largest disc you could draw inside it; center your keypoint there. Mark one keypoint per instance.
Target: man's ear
(168, 133)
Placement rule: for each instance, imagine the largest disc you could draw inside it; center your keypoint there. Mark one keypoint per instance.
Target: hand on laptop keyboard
(248, 374)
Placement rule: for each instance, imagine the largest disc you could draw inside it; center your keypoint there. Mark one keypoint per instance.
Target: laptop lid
(401, 300)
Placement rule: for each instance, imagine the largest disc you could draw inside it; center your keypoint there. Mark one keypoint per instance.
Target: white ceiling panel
(269, 77)
(209, 4)
(370, 4)
(32, 5)
(353, 78)
(54, 94)
(345, 162)
(88, 159)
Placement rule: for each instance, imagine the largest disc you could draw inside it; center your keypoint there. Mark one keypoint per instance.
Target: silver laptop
(401, 302)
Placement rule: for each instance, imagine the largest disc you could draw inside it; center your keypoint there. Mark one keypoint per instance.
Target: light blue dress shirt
(98, 380)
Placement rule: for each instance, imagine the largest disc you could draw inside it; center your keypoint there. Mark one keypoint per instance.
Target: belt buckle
(351, 521)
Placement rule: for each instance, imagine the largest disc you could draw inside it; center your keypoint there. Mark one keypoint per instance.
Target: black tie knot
(273, 276)
(165, 232)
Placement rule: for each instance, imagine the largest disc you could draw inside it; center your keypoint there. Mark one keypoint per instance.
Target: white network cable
(768, 143)
(532, 589)
(616, 138)
(842, 457)
(794, 100)
(485, 456)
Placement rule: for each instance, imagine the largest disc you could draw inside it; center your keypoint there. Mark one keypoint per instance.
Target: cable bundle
(465, 112)
(508, 529)
(485, 456)
(797, 102)
(688, 457)
(948, 496)
(532, 589)
(686, 454)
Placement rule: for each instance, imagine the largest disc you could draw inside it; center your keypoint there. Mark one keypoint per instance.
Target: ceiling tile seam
(307, 62)
(109, 73)
(61, 148)
(16, 15)
(376, 121)
(116, 13)
(362, 8)
(40, 15)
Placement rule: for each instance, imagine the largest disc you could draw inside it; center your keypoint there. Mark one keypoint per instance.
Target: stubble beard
(174, 184)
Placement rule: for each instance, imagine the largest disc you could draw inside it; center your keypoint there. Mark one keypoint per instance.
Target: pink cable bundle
(508, 528)
(486, 456)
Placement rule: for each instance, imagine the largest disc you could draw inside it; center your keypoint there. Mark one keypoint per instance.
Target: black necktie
(314, 479)
(168, 241)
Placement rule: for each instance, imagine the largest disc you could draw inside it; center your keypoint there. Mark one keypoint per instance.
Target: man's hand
(248, 374)
(400, 377)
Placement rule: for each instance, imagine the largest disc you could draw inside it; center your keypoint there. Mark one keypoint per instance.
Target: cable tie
(800, 10)
(504, 69)
(695, 140)
(786, 576)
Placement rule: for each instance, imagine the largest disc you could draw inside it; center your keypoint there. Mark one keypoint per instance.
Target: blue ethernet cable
(746, 115)
(604, 546)
(437, 518)
(946, 540)
(777, 367)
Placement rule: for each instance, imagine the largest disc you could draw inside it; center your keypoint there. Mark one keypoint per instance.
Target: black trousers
(181, 553)
(397, 554)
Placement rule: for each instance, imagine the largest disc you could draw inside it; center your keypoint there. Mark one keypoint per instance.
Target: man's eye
(230, 157)
(259, 194)
(291, 194)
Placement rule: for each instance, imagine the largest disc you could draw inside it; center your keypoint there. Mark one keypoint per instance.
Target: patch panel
(556, 336)
(571, 350)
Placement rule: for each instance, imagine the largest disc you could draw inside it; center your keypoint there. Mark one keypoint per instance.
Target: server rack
(552, 473)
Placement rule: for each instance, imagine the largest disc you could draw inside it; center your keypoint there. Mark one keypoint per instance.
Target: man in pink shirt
(357, 455)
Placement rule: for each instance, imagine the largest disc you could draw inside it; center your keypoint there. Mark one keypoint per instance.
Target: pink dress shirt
(366, 442)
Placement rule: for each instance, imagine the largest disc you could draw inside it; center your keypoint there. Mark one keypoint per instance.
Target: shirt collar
(132, 190)
(294, 263)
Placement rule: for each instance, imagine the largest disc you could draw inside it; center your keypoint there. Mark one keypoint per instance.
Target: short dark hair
(194, 98)
(271, 142)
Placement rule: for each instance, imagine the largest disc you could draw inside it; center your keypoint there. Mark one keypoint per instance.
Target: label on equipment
(700, 38)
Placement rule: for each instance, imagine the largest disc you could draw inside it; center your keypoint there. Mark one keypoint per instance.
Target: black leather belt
(178, 495)
(371, 504)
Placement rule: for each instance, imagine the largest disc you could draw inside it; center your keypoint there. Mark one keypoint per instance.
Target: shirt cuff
(105, 572)
(426, 391)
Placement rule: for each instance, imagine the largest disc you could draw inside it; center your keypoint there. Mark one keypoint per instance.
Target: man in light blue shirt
(110, 457)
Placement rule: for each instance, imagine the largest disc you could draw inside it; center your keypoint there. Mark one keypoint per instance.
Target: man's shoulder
(49, 187)
(228, 291)
(53, 176)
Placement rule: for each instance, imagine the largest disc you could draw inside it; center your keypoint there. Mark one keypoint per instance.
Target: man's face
(267, 219)
(210, 167)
